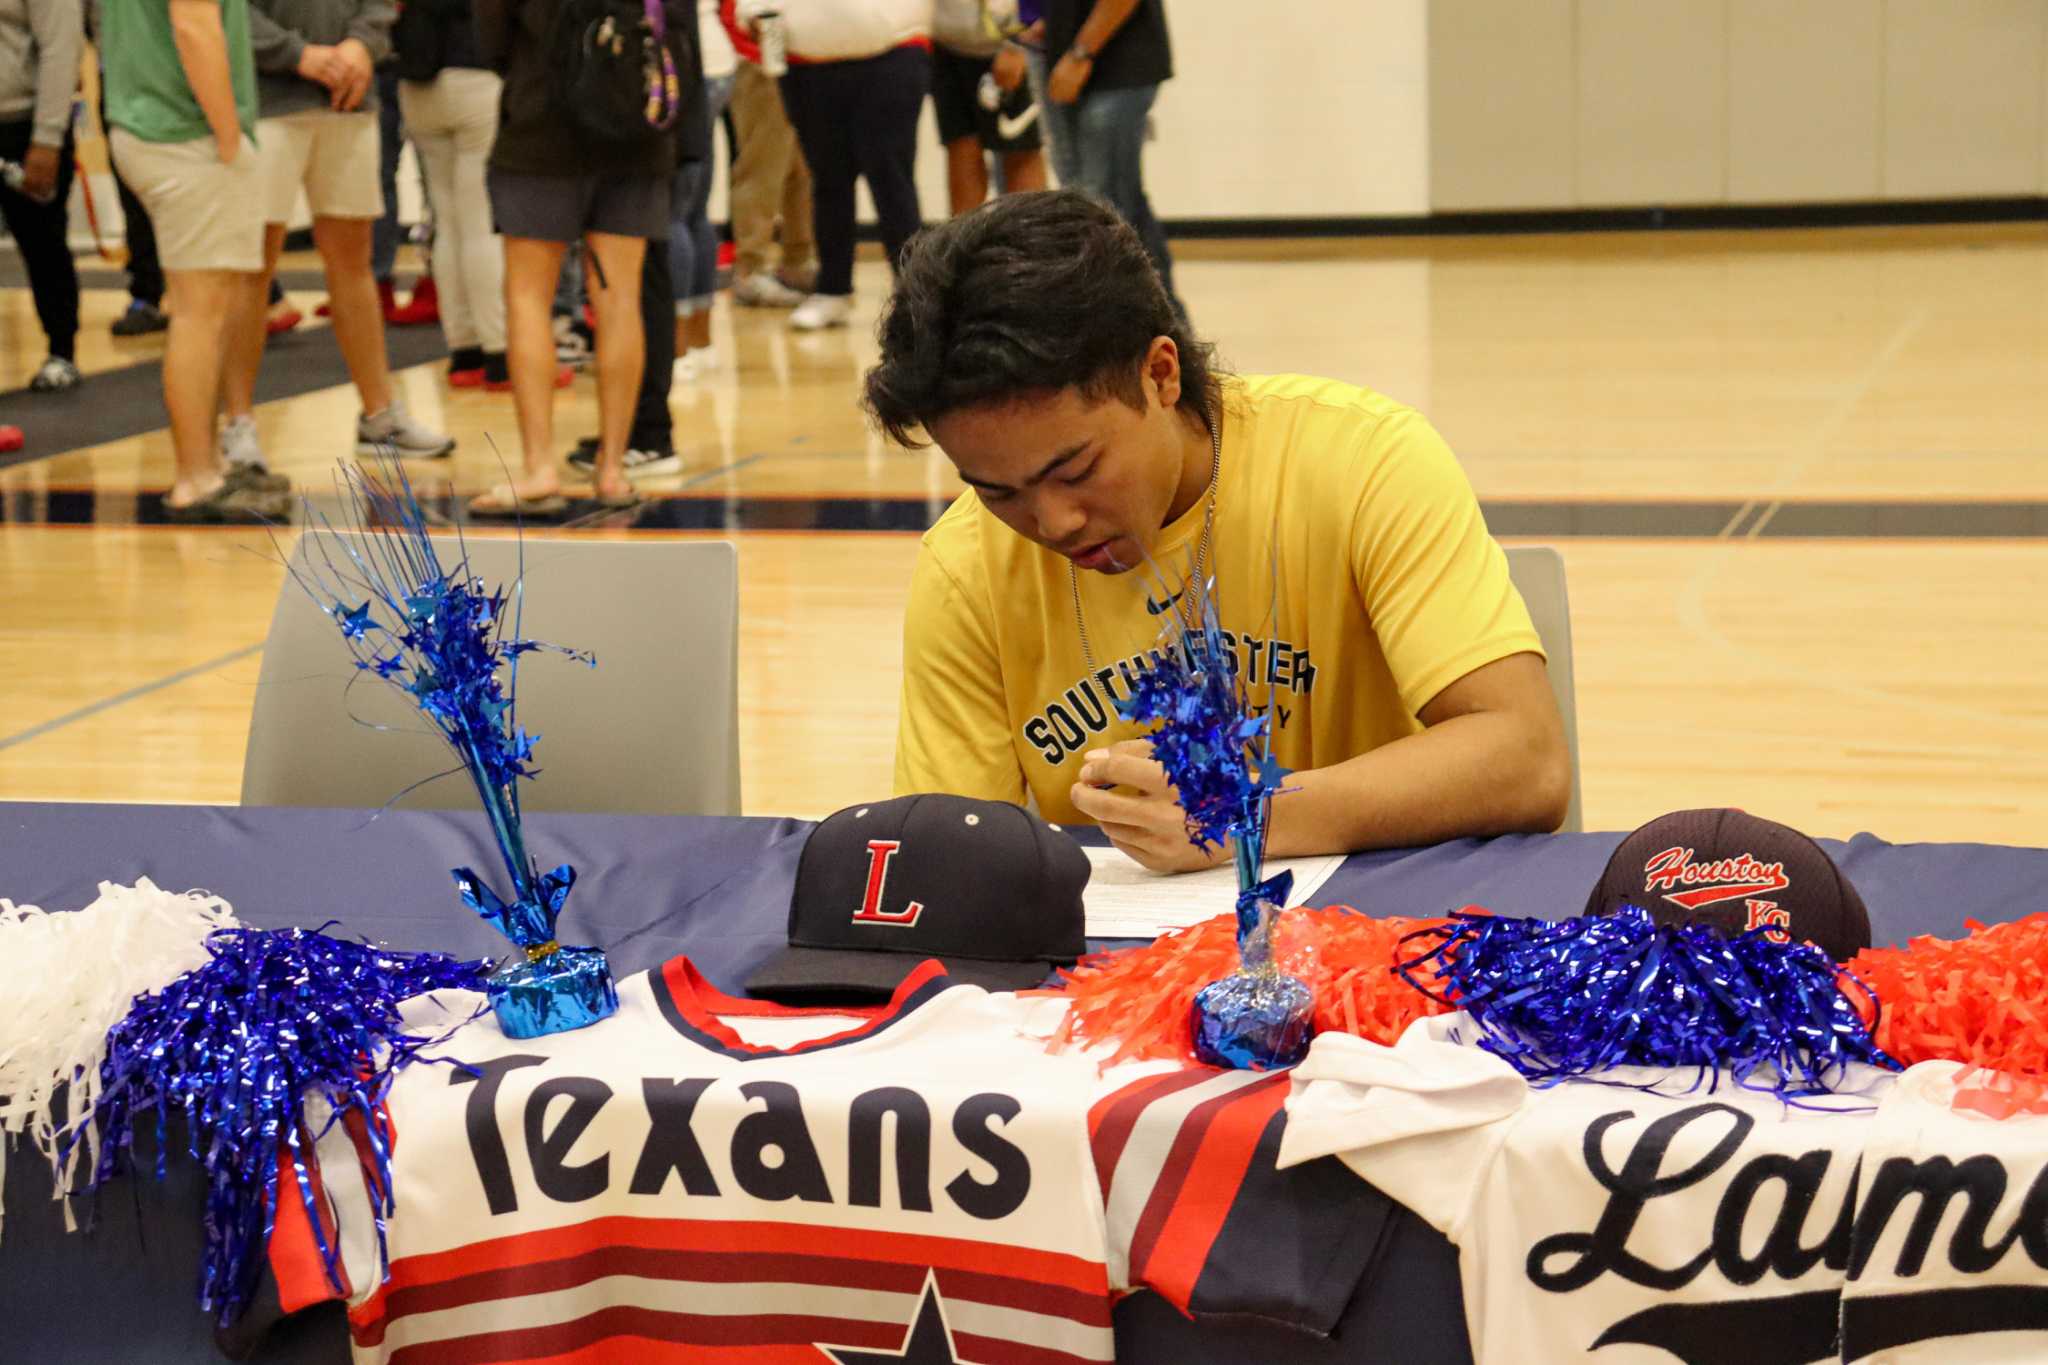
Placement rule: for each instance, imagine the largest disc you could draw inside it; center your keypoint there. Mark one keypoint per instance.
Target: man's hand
(1067, 79)
(1144, 818)
(39, 172)
(353, 61)
(1009, 67)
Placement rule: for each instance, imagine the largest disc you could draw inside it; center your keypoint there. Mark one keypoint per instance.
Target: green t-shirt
(147, 93)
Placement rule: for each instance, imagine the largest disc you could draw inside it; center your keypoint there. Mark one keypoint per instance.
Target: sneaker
(243, 453)
(571, 348)
(583, 459)
(256, 478)
(820, 311)
(763, 290)
(394, 431)
(685, 371)
(281, 318)
(57, 375)
(232, 501)
(422, 309)
(142, 318)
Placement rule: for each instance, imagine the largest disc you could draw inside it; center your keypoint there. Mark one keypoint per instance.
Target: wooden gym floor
(1800, 481)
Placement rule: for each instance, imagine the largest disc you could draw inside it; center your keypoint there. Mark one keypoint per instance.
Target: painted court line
(108, 703)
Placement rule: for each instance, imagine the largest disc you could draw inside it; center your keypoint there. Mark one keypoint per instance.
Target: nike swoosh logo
(1009, 128)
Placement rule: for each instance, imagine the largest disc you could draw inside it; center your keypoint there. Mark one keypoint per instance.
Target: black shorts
(561, 208)
(956, 98)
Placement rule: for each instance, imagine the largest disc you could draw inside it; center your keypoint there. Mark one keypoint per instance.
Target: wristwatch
(1078, 50)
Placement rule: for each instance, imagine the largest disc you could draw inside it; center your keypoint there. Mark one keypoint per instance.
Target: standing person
(319, 133)
(692, 245)
(858, 72)
(554, 184)
(450, 103)
(145, 311)
(40, 42)
(770, 185)
(181, 104)
(964, 47)
(1099, 65)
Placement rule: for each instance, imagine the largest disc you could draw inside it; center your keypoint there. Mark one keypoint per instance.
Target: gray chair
(654, 728)
(1538, 574)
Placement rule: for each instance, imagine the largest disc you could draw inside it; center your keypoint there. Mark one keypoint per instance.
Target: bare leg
(244, 340)
(531, 268)
(966, 174)
(621, 352)
(696, 332)
(204, 303)
(1023, 171)
(344, 245)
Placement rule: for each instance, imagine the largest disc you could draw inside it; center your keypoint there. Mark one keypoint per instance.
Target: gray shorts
(561, 208)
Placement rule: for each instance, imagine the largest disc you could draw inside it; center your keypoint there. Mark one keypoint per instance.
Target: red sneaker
(423, 309)
(11, 438)
(282, 318)
(727, 255)
(467, 379)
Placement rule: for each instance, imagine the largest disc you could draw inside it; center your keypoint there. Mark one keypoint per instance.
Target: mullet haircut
(1028, 294)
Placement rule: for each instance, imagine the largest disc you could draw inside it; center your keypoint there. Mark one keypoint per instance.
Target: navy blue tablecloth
(718, 889)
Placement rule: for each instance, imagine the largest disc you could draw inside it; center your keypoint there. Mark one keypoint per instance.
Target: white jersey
(1603, 1221)
(706, 1179)
(1950, 1260)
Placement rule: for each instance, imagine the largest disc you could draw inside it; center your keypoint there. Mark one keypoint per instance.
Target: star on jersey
(927, 1341)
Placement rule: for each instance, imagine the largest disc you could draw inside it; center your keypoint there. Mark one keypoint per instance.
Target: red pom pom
(1140, 998)
(1981, 1000)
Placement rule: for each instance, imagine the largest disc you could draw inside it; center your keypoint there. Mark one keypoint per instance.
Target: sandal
(619, 501)
(504, 502)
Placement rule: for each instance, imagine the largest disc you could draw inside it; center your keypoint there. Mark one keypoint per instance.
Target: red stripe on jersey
(1190, 1210)
(1111, 1119)
(704, 1267)
(728, 1237)
(645, 1334)
(1209, 1179)
(295, 1259)
(700, 1003)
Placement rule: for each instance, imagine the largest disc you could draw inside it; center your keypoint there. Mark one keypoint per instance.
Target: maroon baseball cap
(986, 887)
(1735, 872)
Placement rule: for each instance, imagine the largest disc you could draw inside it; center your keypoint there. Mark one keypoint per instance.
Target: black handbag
(615, 69)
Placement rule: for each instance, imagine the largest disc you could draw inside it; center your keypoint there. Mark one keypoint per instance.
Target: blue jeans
(692, 245)
(1098, 144)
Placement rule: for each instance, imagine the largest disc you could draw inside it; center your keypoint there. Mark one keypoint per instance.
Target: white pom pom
(70, 978)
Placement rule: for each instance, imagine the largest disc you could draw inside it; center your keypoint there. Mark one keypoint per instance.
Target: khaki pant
(768, 178)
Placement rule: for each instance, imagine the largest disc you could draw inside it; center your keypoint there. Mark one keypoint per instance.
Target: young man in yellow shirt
(1032, 340)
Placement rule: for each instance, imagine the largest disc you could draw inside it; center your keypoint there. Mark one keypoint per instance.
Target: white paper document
(1124, 900)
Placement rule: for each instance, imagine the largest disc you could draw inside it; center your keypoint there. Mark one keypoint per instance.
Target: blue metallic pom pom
(1557, 999)
(236, 1047)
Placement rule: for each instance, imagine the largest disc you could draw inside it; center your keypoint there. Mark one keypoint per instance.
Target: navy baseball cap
(1736, 872)
(986, 887)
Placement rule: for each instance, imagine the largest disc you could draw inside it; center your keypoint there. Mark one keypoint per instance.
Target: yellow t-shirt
(1390, 589)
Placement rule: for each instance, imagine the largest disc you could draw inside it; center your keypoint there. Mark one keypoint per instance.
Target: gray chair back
(653, 729)
(1538, 574)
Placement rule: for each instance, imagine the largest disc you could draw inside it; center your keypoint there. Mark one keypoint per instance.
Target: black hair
(1030, 293)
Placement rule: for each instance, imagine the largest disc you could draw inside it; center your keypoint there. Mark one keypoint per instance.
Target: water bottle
(16, 175)
(774, 42)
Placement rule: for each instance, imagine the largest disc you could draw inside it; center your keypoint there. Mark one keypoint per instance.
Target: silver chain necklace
(1186, 605)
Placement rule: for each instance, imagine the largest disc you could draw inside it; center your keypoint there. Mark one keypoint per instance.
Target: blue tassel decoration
(236, 1047)
(1218, 753)
(440, 636)
(1565, 998)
